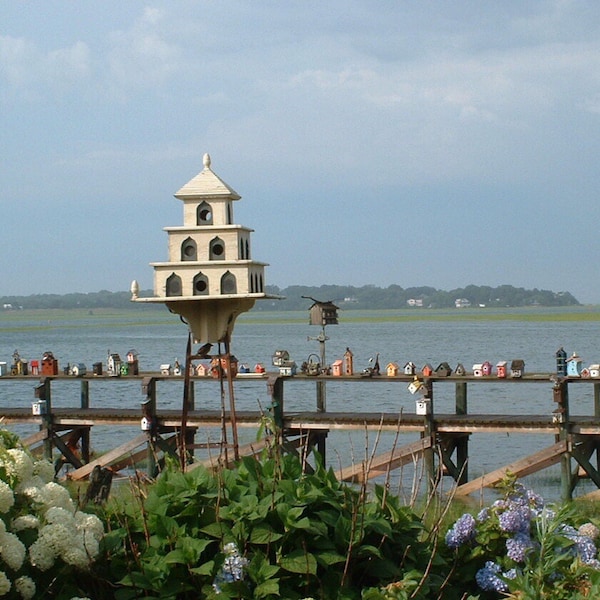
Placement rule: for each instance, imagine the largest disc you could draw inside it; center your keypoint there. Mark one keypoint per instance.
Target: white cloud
(25, 67)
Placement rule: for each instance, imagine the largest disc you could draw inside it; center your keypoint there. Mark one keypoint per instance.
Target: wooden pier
(442, 441)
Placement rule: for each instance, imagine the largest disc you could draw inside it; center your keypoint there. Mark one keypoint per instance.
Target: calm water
(160, 337)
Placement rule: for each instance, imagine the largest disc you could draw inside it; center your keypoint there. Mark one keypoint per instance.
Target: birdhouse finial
(206, 161)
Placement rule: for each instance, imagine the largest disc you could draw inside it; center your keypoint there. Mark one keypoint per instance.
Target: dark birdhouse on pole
(323, 313)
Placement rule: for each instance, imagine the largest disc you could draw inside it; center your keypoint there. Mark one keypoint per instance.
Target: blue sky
(410, 143)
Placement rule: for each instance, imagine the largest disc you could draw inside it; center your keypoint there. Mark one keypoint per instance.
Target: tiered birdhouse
(210, 277)
(348, 362)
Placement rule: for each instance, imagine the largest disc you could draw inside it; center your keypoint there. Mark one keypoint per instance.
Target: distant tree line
(365, 297)
(394, 296)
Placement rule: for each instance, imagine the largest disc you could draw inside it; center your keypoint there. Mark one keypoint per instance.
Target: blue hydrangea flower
(233, 567)
(515, 519)
(519, 546)
(463, 531)
(488, 580)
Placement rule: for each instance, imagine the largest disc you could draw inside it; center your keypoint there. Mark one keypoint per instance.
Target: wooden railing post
(560, 395)
(85, 432)
(43, 393)
(462, 442)
(429, 432)
(149, 421)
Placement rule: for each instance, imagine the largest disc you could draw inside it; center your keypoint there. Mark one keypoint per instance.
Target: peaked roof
(206, 183)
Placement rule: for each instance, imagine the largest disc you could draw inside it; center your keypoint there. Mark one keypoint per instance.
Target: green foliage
(302, 534)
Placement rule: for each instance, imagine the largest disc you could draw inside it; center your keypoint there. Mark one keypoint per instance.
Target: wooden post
(321, 407)
(43, 393)
(85, 432)
(149, 422)
(560, 393)
(275, 389)
(462, 443)
(429, 432)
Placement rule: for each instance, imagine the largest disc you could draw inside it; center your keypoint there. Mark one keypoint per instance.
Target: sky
(373, 143)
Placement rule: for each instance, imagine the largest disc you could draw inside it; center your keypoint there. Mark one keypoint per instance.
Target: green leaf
(262, 533)
(299, 561)
(268, 588)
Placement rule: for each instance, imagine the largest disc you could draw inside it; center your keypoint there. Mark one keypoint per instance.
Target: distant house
(416, 302)
(462, 303)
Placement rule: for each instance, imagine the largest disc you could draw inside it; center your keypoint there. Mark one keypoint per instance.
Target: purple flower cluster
(519, 546)
(583, 546)
(463, 531)
(488, 580)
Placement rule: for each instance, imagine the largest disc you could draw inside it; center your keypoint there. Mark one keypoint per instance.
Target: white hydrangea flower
(90, 524)
(22, 467)
(54, 494)
(76, 556)
(57, 514)
(31, 489)
(41, 555)
(44, 469)
(7, 498)
(26, 587)
(2, 526)
(5, 584)
(58, 537)
(25, 522)
(12, 550)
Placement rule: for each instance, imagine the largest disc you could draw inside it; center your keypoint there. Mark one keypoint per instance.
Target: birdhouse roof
(206, 183)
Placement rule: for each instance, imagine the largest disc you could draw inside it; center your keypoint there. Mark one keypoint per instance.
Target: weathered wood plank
(380, 464)
(109, 457)
(525, 466)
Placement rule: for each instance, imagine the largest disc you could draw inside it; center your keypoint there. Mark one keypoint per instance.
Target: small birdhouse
(259, 368)
(78, 370)
(561, 362)
(165, 369)
(243, 368)
(443, 370)
(486, 368)
(49, 364)
(478, 370)
(460, 369)
(132, 362)
(574, 365)
(410, 368)
(423, 406)
(348, 362)
(201, 370)
(287, 369)
(392, 369)
(427, 370)
(113, 365)
(415, 386)
(280, 357)
(517, 368)
(323, 313)
(595, 371)
(501, 369)
(337, 368)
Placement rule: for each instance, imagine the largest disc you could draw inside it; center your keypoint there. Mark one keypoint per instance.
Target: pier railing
(442, 443)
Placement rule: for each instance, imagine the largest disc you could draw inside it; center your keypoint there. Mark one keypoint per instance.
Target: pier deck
(443, 437)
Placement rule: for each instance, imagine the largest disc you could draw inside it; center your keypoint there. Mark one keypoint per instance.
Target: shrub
(293, 535)
(46, 544)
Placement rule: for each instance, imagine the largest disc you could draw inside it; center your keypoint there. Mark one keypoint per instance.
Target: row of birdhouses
(217, 367)
(573, 366)
(485, 369)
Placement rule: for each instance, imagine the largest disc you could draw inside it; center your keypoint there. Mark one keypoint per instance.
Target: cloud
(26, 68)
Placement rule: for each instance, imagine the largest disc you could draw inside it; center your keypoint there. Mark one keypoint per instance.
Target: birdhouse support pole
(429, 432)
(560, 394)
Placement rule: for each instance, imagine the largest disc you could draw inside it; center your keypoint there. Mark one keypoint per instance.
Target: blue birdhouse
(574, 366)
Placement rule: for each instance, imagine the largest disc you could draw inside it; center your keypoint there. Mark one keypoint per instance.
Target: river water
(455, 336)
